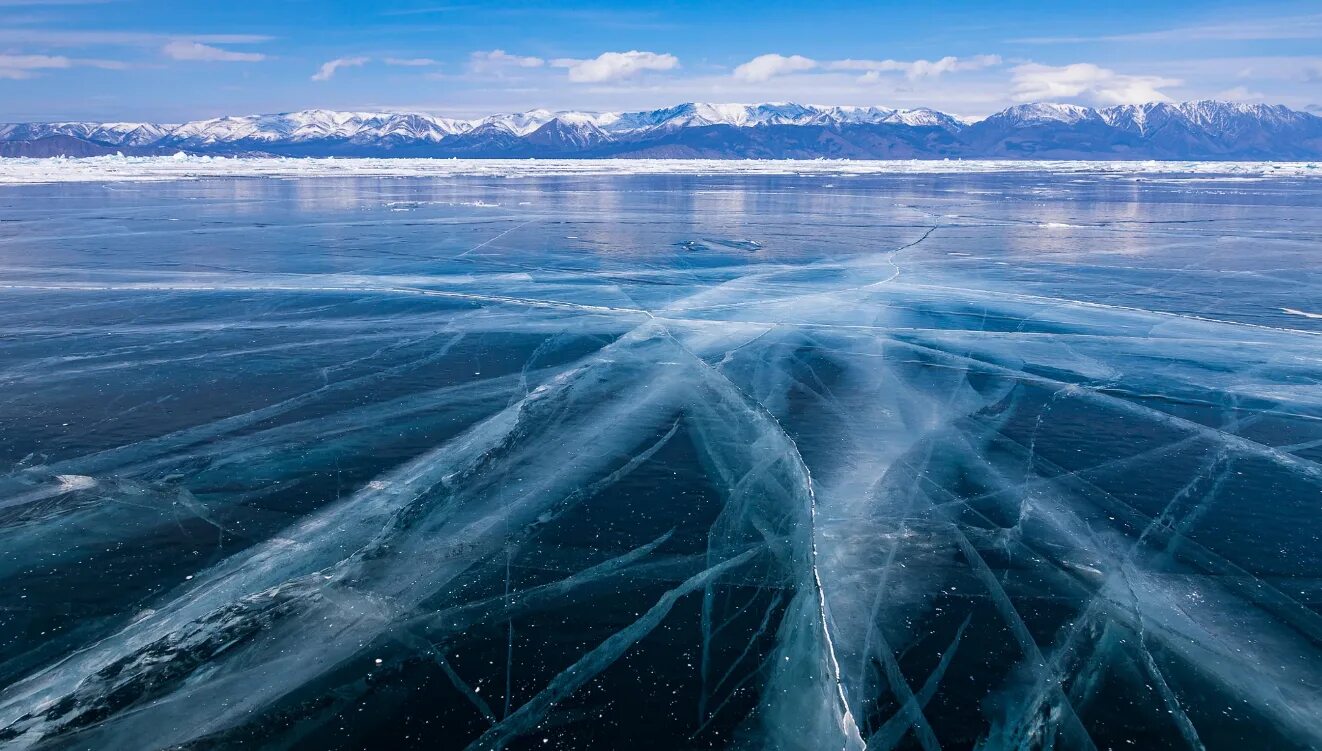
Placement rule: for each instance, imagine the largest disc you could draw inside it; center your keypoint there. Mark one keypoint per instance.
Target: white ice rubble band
(182, 167)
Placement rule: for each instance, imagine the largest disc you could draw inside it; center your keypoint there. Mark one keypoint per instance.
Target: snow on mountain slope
(569, 133)
(518, 123)
(1208, 116)
(697, 114)
(312, 125)
(924, 117)
(115, 134)
(1042, 112)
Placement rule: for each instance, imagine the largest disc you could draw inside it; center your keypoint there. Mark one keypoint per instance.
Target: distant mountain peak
(1043, 112)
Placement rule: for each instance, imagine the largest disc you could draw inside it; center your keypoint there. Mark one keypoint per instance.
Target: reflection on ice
(715, 498)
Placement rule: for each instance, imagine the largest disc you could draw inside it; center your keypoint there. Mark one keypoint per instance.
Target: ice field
(1018, 459)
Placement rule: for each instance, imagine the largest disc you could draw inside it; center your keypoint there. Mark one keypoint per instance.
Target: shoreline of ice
(20, 171)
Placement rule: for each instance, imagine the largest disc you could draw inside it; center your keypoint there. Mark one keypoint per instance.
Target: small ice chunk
(75, 482)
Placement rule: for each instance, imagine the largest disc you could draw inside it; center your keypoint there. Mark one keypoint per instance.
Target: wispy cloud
(495, 61)
(411, 62)
(87, 38)
(1239, 94)
(612, 66)
(527, 13)
(1036, 82)
(24, 66)
(1288, 27)
(766, 67)
(29, 3)
(187, 50)
(328, 68)
(17, 67)
(428, 10)
(917, 69)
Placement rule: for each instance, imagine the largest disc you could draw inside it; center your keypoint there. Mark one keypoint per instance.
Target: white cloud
(185, 50)
(328, 68)
(1036, 82)
(612, 66)
(765, 67)
(411, 62)
(494, 61)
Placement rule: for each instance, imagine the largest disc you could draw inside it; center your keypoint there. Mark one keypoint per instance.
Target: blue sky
(184, 59)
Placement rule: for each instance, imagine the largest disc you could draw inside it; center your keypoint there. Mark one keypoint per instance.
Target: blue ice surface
(647, 462)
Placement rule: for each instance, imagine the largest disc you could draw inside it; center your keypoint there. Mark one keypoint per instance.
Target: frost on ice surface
(729, 461)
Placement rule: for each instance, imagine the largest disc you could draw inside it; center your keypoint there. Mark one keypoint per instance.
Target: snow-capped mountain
(1189, 130)
(114, 134)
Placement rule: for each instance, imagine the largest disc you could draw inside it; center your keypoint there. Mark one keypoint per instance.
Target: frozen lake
(642, 461)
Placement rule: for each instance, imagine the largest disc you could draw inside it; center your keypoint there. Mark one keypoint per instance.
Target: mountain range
(1202, 130)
